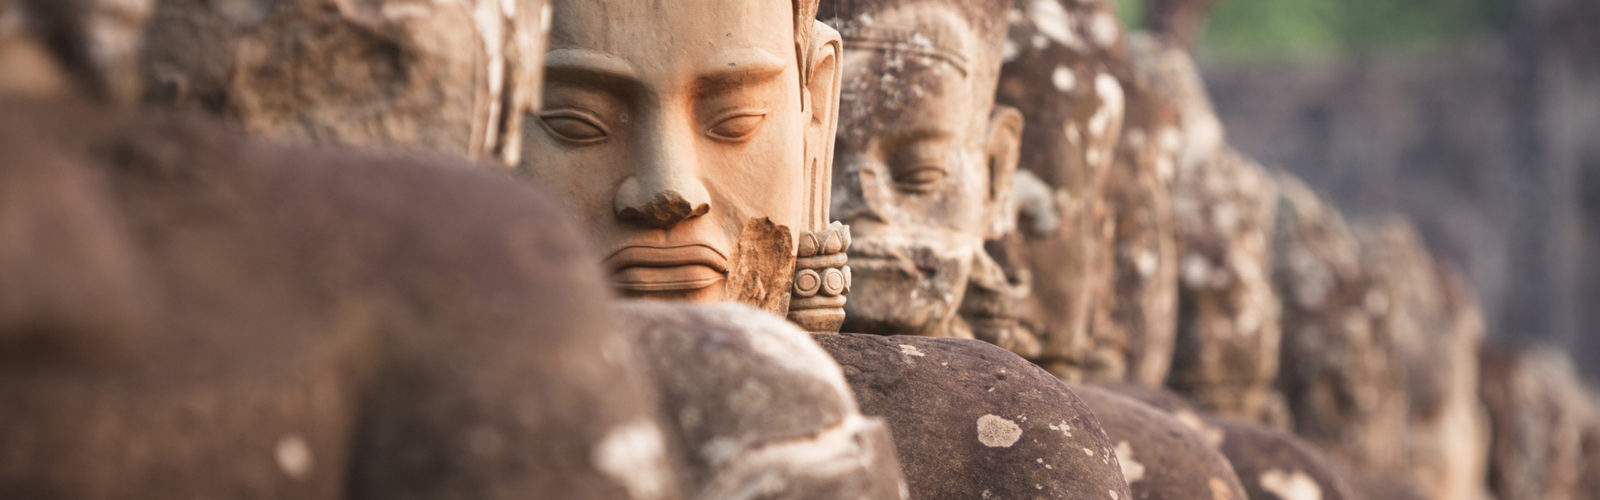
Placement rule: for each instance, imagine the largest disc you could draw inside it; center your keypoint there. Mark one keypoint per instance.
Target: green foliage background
(1299, 28)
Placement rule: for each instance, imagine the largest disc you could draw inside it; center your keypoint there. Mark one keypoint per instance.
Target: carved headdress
(981, 30)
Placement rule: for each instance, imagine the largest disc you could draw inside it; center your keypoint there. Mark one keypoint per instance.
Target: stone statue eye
(736, 127)
(573, 127)
(920, 178)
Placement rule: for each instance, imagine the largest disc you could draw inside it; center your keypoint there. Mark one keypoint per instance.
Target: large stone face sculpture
(694, 140)
(1061, 58)
(452, 77)
(924, 158)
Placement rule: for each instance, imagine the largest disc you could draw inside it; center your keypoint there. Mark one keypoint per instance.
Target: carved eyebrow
(735, 68)
(588, 66)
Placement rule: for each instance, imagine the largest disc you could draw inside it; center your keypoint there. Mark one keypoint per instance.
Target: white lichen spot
(988, 494)
(1103, 28)
(1088, 452)
(1113, 494)
(1111, 105)
(1296, 486)
(1039, 42)
(911, 350)
(1064, 428)
(1053, 21)
(1010, 51)
(294, 456)
(1145, 262)
(1132, 470)
(634, 455)
(997, 432)
(1064, 79)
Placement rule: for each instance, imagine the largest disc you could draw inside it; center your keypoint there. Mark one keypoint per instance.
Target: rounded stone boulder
(1274, 465)
(1162, 458)
(972, 420)
(757, 409)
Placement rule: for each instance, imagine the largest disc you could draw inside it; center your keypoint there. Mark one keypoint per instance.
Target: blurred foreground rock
(259, 322)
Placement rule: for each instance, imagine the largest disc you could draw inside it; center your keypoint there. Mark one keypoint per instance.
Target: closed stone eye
(736, 127)
(573, 127)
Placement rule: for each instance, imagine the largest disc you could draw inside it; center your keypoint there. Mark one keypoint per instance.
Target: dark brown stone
(1161, 457)
(1274, 465)
(304, 325)
(972, 420)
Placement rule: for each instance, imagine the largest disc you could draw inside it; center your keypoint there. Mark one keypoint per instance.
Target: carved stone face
(679, 133)
(453, 77)
(923, 164)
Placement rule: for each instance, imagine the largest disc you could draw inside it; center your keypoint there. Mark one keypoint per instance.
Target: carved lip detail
(666, 269)
(869, 260)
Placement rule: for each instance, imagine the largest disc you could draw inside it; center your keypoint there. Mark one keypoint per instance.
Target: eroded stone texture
(1540, 414)
(1274, 465)
(453, 77)
(1436, 327)
(925, 158)
(1341, 374)
(1058, 69)
(759, 410)
(973, 420)
(1135, 320)
(1161, 457)
(1226, 353)
(270, 323)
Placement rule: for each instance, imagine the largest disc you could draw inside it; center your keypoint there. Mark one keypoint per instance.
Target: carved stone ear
(822, 86)
(1002, 154)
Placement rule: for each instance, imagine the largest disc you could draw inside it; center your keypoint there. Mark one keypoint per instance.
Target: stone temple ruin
(708, 249)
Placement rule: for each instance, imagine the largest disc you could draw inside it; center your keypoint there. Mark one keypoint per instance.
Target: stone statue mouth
(666, 269)
(883, 259)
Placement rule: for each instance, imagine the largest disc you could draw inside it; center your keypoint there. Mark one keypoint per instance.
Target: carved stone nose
(659, 208)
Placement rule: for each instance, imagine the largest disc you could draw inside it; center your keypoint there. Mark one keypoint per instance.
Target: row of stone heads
(841, 163)
(677, 132)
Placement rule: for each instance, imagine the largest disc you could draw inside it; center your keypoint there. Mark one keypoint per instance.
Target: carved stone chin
(821, 279)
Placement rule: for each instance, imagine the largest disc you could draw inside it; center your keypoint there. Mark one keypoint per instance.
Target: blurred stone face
(677, 133)
(454, 77)
(104, 33)
(911, 175)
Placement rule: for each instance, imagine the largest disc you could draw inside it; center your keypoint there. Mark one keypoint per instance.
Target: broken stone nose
(664, 210)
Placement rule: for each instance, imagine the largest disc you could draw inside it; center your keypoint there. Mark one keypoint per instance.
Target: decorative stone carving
(452, 77)
(759, 409)
(694, 139)
(1226, 351)
(924, 158)
(969, 418)
(1161, 457)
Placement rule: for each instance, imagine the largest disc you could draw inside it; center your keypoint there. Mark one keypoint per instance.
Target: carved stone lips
(871, 257)
(666, 269)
